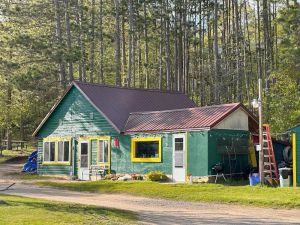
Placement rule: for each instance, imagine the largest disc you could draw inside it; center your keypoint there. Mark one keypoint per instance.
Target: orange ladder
(270, 167)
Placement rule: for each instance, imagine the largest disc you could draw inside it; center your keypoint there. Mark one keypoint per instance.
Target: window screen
(49, 151)
(179, 148)
(147, 149)
(63, 151)
(103, 151)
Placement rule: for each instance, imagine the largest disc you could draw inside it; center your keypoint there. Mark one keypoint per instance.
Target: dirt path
(153, 211)
(157, 211)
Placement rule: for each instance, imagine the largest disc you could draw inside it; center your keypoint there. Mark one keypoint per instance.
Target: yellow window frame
(145, 139)
(56, 140)
(98, 138)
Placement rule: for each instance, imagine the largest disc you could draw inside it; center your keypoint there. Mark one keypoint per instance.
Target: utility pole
(261, 153)
(257, 104)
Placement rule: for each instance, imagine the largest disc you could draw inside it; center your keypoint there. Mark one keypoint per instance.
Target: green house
(133, 131)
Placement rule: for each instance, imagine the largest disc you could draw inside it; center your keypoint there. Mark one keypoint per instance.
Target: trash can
(285, 177)
(254, 179)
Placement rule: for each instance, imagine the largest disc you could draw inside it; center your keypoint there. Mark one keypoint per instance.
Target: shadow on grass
(69, 208)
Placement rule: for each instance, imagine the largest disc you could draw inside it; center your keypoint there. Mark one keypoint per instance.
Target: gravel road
(158, 211)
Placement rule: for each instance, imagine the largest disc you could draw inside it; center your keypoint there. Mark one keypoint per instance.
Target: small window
(49, 151)
(146, 149)
(103, 151)
(179, 157)
(63, 151)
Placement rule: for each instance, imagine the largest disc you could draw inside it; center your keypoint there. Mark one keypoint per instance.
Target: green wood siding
(72, 118)
(121, 158)
(50, 170)
(197, 153)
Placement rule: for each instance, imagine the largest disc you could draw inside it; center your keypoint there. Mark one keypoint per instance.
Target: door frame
(184, 136)
(79, 154)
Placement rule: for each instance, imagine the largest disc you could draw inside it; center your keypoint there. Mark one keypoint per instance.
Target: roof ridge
(178, 110)
(129, 88)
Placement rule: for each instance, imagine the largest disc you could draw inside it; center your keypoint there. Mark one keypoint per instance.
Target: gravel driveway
(158, 211)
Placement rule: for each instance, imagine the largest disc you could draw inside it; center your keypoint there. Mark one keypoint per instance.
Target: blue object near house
(254, 179)
(31, 165)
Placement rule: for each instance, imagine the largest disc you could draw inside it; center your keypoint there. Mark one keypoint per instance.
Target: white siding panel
(238, 120)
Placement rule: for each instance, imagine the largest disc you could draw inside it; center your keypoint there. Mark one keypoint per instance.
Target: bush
(156, 176)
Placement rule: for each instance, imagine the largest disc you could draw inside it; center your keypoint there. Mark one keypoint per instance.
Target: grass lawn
(10, 154)
(20, 210)
(245, 195)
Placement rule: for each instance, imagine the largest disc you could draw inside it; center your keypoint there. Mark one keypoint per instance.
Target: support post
(294, 160)
(261, 156)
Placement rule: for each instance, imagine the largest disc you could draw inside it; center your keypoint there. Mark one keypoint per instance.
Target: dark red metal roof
(116, 103)
(180, 119)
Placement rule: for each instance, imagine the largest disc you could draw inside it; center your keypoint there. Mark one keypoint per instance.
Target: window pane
(66, 151)
(100, 152)
(60, 150)
(178, 144)
(52, 151)
(103, 151)
(105, 145)
(147, 149)
(46, 151)
(84, 148)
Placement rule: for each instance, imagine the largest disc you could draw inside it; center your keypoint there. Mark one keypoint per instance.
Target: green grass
(10, 154)
(245, 195)
(21, 210)
(33, 177)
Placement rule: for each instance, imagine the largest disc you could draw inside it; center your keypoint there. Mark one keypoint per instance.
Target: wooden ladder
(270, 167)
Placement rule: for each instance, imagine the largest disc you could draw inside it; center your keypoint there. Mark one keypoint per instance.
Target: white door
(179, 158)
(83, 172)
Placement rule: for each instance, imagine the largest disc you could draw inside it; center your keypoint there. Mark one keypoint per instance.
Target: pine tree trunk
(62, 67)
(118, 55)
(69, 39)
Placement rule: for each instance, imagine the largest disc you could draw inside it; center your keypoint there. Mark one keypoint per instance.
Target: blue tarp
(31, 165)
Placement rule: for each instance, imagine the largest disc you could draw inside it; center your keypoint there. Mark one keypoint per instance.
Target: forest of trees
(213, 50)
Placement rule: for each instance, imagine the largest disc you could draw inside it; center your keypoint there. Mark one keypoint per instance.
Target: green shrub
(156, 176)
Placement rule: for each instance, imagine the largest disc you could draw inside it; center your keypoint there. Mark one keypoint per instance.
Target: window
(63, 151)
(57, 150)
(179, 148)
(49, 151)
(103, 152)
(146, 149)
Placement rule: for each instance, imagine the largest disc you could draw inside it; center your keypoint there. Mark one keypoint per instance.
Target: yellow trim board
(294, 160)
(145, 139)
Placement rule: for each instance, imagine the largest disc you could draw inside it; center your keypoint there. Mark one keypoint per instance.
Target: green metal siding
(72, 117)
(297, 131)
(197, 153)
(121, 158)
(235, 162)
